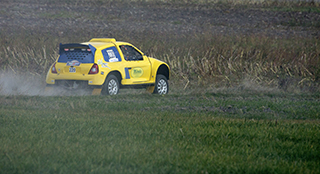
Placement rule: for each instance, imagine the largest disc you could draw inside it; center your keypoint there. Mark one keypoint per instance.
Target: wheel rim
(162, 86)
(112, 87)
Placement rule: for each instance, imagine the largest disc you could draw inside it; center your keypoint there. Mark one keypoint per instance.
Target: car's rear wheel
(162, 85)
(111, 86)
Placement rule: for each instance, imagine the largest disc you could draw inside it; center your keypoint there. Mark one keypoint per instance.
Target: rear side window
(111, 54)
(70, 52)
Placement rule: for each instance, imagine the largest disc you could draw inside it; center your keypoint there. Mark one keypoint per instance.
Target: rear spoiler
(112, 40)
(76, 45)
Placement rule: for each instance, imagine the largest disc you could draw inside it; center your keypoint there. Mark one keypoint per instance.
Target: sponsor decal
(112, 56)
(114, 60)
(136, 72)
(103, 65)
(100, 62)
(73, 63)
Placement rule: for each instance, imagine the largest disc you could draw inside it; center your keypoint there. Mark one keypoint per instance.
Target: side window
(130, 54)
(111, 54)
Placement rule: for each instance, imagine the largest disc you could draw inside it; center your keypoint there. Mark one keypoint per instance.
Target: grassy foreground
(142, 133)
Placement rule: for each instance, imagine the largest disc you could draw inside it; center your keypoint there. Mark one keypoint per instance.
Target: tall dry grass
(31, 60)
(205, 59)
(265, 60)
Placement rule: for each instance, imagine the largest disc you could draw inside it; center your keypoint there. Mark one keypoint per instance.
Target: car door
(137, 66)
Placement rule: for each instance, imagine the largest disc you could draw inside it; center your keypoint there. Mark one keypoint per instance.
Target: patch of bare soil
(218, 19)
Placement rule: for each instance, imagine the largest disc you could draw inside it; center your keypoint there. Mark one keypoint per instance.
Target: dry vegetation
(202, 46)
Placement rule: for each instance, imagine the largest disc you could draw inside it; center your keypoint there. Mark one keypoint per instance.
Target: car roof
(99, 45)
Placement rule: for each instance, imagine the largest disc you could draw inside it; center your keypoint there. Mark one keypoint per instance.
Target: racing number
(72, 69)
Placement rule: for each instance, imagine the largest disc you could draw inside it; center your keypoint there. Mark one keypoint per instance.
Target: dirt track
(160, 19)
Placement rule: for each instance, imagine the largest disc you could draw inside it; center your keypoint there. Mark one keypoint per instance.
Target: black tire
(111, 86)
(161, 86)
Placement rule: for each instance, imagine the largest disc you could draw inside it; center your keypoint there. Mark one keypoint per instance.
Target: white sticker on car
(114, 60)
(111, 54)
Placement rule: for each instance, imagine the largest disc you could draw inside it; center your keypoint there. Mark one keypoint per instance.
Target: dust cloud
(20, 84)
(12, 83)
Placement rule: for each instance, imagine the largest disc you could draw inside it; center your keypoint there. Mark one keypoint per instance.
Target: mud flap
(96, 91)
(150, 89)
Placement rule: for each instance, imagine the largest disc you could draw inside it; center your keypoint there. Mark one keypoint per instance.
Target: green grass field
(143, 133)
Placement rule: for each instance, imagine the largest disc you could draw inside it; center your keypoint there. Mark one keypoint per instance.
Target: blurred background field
(274, 44)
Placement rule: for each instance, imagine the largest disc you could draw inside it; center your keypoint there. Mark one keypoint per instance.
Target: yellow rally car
(107, 65)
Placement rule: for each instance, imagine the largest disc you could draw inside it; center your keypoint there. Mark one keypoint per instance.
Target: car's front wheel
(162, 85)
(111, 86)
